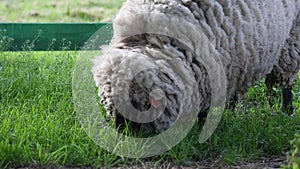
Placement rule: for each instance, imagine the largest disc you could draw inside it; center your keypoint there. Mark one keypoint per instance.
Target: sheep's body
(248, 40)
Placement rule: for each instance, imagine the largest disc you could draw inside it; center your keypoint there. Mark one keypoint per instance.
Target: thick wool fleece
(198, 52)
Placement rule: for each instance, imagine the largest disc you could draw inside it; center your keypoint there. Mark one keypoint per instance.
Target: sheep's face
(144, 78)
(153, 99)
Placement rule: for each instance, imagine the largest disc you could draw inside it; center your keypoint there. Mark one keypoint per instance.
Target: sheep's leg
(270, 84)
(231, 105)
(285, 70)
(202, 116)
(286, 83)
(120, 124)
(233, 102)
(287, 105)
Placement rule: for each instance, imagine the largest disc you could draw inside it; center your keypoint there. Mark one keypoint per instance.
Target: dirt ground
(263, 163)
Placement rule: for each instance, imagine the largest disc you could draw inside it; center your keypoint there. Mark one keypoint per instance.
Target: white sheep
(194, 53)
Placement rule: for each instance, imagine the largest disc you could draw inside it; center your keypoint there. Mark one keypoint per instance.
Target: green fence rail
(49, 36)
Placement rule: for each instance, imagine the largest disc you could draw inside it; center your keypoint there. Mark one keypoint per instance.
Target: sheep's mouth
(139, 97)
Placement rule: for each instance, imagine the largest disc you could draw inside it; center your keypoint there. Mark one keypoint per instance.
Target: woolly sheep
(193, 49)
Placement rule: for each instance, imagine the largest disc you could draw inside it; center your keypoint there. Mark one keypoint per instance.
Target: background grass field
(58, 11)
(38, 124)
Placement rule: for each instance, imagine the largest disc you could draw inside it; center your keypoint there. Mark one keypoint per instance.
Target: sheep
(186, 56)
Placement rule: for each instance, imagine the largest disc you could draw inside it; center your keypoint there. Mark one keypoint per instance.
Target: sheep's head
(149, 81)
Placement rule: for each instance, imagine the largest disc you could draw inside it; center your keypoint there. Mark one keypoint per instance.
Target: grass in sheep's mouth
(38, 123)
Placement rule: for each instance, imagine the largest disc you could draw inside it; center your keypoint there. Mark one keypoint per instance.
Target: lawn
(58, 11)
(38, 124)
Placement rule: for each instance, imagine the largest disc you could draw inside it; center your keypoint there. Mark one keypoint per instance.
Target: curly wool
(195, 48)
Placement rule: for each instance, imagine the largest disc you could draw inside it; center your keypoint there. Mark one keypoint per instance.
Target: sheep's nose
(157, 98)
(155, 103)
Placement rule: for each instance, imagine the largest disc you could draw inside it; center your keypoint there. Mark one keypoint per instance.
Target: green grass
(38, 124)
(37, 118)
(58, 11)
(294, 154)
